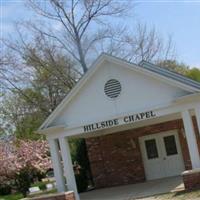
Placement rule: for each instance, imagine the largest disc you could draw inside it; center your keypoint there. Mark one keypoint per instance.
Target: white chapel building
(140, 122)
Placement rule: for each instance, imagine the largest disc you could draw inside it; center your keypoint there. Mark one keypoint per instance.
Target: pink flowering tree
(18, 155)
(33, 154)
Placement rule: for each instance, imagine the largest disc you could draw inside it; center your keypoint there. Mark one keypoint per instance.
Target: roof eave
(188, 98)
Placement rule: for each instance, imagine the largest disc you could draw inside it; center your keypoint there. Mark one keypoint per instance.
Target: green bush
(84, 176)
(81, 181)
(5, 189)
(39, 175)
(23, 181)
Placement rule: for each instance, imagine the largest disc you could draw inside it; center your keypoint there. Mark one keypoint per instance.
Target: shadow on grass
(195, 192)
(180, 195)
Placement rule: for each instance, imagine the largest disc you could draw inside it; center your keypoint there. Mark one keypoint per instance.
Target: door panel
(172, 156)
(151, 157)
(162, 155)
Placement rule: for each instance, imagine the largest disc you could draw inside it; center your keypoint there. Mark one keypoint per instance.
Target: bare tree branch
(76, 18)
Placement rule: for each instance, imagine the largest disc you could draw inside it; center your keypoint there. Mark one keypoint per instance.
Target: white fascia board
(50, 130)
(75, 130)
(171, 107)
(188, 98)
(78, 130)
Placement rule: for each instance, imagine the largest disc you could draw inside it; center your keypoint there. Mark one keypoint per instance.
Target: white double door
(162, 156)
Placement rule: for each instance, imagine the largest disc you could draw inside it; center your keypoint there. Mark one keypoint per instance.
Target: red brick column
(191, 179)
(61, 196)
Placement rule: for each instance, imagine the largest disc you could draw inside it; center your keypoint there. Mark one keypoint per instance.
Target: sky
(181, 19)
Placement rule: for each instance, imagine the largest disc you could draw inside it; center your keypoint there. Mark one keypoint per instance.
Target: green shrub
(79, 155)
(81, 182)
(5, 189)
(23, 181)
(39, 175)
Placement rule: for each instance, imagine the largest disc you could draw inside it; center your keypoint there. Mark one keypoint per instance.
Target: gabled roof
(144, 67)
(170, 74)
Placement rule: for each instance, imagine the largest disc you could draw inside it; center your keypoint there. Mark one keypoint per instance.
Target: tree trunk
(81, 56)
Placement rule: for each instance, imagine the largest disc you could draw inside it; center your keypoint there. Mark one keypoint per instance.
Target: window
(170, 145)
(151, 149)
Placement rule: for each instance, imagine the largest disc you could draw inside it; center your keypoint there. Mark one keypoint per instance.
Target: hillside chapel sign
(118, 121)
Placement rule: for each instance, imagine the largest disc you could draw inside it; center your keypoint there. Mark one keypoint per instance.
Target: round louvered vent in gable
(112, 88)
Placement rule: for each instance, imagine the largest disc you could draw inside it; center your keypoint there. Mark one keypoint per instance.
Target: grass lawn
(18, 196)
(183, 195)
(12, 197)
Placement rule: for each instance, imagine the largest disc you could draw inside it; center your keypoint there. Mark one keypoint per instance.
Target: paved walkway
(135, 191)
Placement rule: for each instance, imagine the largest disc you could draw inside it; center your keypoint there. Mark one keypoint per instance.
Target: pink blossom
(19, 154)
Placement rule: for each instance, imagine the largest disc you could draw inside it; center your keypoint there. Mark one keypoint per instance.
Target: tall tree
(139, 43)
(194, 74)
(81, 29)
(175, 66)
(78, 19)
(48, 76)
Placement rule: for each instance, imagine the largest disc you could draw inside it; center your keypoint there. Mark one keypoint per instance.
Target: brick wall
(191, 179)
(61, 196)
(116, 159)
